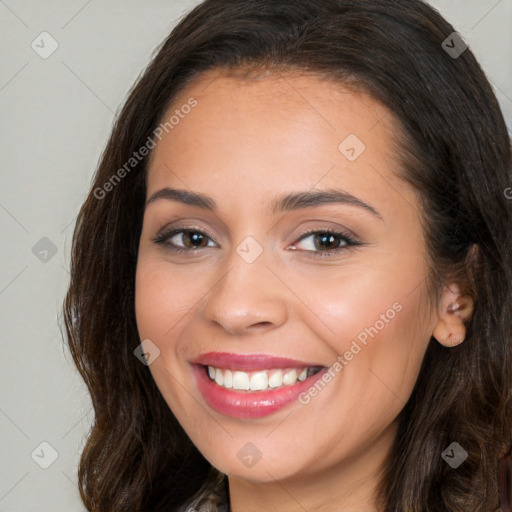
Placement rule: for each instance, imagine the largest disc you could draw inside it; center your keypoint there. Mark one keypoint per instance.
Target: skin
(245, 143)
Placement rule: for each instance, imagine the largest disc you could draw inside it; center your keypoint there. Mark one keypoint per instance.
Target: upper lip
(249, 362)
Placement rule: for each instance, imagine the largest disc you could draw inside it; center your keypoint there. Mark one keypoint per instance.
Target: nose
(247, 297)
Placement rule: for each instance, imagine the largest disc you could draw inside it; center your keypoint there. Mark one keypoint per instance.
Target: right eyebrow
(184, 196)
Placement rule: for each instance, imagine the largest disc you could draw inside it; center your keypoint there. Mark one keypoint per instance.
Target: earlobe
(454, 312)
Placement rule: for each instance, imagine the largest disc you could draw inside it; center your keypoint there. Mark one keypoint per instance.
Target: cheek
(163, 298)
(361, 299)
(162, 301)
(380, 348)
(378, 321)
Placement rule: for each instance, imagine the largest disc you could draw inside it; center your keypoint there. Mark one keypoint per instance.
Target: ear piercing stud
(452, 308)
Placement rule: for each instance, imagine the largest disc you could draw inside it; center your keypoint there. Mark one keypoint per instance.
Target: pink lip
(249, 404)
(248, 362)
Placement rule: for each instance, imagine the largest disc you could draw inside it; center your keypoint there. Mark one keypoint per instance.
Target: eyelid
(167, 231)
(348, 239)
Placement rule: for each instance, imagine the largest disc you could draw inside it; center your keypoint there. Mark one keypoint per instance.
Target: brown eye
(326, 242)
(193, 239)
(183, 239)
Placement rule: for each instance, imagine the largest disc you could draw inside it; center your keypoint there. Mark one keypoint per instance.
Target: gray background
(56, 116)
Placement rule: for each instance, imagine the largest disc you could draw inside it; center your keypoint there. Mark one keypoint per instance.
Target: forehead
(281, 91)
(276, 132)
(296, 101)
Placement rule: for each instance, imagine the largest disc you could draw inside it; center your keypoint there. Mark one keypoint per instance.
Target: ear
(454, 312)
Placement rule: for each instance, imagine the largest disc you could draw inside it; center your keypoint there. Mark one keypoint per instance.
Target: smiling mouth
(260, 380)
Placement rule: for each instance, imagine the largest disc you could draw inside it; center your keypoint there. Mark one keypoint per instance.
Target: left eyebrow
(311, 199)
(288, 202)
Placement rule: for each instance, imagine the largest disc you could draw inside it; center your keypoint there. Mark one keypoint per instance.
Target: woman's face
(260, 292)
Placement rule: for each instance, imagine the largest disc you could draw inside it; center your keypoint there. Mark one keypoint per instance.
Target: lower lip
(249, 404)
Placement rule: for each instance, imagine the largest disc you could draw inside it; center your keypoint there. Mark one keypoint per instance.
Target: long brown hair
(455, 151)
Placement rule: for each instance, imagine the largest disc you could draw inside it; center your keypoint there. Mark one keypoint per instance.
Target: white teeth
(241, 380)
(257, 380)
(276, 379)
(228, 378)
(290, 378)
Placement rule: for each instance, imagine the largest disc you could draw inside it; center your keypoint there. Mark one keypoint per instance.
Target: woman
(238, 361)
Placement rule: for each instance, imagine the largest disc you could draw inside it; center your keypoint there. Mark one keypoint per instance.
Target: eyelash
(350, 242)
